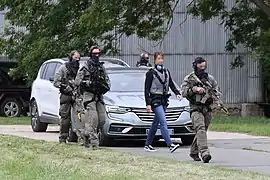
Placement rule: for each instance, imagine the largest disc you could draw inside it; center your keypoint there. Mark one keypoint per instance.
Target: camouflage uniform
(78, 107)
(63, 77)
(200, 113)
(93, 112)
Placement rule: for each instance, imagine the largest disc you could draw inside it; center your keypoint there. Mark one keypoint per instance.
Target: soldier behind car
(64, 79)
(201, 116)
(94, 83)
(144, 61)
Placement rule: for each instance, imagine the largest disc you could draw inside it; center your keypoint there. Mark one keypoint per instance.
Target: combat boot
(95, 147)
(63, 137)
(62, 140)
(80, 141)
(195, 157)
(86, 142)
(206, 158)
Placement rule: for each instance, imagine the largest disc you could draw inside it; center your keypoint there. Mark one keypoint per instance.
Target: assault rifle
(65, 83)
(97, 78)
(210, 92)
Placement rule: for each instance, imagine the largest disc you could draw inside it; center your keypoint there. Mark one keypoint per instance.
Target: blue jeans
(159, 118)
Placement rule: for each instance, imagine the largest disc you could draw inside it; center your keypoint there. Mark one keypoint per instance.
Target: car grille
(172, 114)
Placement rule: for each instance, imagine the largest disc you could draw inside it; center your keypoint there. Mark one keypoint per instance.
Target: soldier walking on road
(196, 88)
(64, 79)
(94, 83)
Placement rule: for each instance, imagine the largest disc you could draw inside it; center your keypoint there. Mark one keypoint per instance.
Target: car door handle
(50, 89)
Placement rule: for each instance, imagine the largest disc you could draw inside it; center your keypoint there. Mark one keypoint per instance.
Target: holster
(157, 100)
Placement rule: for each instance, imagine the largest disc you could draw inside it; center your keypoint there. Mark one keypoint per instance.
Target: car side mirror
(51, 79)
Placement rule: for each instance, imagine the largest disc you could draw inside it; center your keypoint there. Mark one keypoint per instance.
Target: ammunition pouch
(198, 98)
(64, 91)
(66, 99)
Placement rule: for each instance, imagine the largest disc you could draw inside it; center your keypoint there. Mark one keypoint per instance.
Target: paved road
(230, 150)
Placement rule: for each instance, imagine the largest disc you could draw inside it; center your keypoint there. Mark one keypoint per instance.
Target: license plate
(171, 132)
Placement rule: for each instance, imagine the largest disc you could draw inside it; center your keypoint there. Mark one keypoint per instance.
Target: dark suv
(14, 94)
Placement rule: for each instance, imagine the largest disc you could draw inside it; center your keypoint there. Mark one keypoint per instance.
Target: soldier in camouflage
(94, 82)
(194, 89)
(64, 79)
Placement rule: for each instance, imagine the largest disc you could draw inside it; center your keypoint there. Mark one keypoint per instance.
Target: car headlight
(116, 109)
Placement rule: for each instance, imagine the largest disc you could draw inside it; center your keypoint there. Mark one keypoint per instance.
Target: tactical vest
(160, 83)
(69, 75)
(96, 75)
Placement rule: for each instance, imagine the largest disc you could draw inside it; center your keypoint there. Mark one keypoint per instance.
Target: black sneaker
(149, 148)
(195, 157)
(206, 158)
(173, 147)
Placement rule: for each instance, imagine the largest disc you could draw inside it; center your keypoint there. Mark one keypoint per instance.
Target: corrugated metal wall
(193, 38)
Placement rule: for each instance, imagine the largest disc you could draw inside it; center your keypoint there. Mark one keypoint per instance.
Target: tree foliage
(52, 28)
(249, 24)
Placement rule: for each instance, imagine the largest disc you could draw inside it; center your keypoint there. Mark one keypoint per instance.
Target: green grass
(25, 159)
(250, 125)
(15, 121)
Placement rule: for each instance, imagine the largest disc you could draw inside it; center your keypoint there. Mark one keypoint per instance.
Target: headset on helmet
(71, 54)
(197, 60)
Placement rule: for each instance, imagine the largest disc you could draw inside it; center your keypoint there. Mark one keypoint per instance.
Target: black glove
(68, 89)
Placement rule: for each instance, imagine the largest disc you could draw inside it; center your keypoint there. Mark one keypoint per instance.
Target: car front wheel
(187, 140)
(36, 125)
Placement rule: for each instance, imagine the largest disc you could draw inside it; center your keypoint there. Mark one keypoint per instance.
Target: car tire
(11, 107)
(187, 140)
(36, 125)
(72, 136)
(103, 139)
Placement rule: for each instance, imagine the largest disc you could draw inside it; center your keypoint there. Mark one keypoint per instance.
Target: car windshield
(127, 82)
(108, 62)
(111, 62)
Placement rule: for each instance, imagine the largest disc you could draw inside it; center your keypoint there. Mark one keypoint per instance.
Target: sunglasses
(96, 53)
